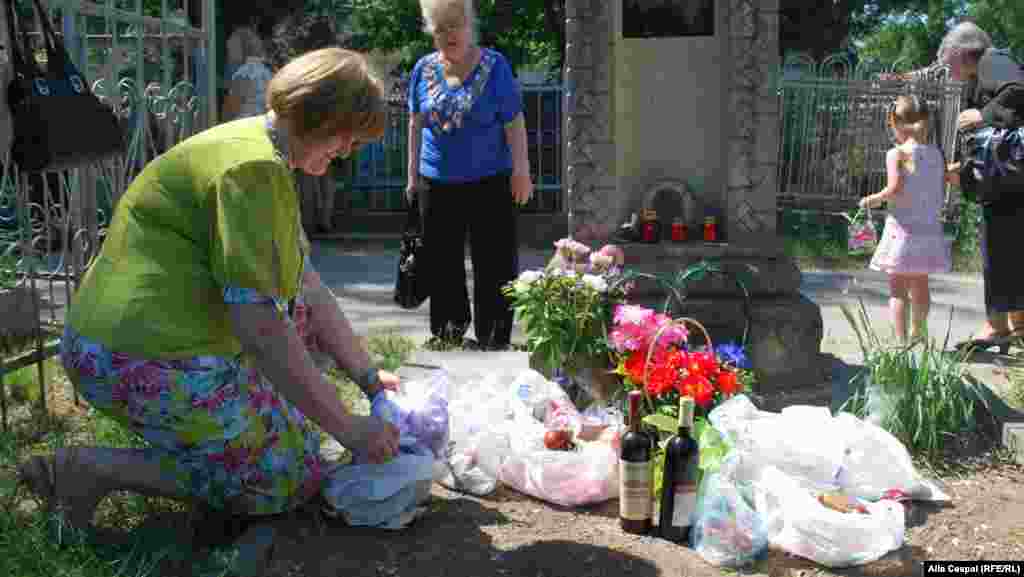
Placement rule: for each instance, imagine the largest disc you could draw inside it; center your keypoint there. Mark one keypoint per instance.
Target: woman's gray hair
(965, 38)
(430, 9)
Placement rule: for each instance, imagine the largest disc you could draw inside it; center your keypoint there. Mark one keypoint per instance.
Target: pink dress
(913, 240)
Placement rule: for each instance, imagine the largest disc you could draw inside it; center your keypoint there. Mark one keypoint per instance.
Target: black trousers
(485, 211)
(1000, 233)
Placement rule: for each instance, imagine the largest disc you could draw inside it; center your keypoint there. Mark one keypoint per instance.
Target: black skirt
(1001, 228)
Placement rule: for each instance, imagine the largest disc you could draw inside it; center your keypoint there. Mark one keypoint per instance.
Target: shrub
(918, 392)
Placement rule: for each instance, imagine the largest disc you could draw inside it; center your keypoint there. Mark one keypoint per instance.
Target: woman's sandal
(39, 475)
(1002, 341)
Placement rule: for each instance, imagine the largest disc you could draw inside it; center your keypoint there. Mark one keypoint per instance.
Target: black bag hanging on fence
(411, 284)
(58, 122)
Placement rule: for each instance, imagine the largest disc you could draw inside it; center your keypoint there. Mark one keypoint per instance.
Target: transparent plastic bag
(862, 236)
(728, 532)
(567, 478)
(498, 423)
(799, 524)
(420, 412)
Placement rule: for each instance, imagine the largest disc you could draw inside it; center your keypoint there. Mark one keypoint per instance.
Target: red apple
(557, 440)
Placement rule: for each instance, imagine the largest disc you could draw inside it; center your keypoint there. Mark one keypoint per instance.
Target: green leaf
(713, 447)
(662, 422)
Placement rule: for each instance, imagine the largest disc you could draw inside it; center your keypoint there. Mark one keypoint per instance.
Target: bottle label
(635, 490)
(684, 506)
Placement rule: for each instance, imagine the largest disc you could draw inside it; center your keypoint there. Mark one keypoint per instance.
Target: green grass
(928, 399)
(22, 385)
(814, 254)
(813, 250)
(1016, 396)
(29, 545)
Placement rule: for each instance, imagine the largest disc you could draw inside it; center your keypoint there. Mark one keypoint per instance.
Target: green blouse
(219, 209)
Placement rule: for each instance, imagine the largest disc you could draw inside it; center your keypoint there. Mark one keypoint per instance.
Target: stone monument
(682, 116)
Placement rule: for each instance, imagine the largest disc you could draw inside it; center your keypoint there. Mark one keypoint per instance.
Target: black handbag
(411, 283)
(58, 122)
(992, 165)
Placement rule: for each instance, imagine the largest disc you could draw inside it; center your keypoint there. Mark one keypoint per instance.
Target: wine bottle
(679, 485)
(635, 499)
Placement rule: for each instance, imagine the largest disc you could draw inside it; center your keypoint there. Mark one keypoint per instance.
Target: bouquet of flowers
(566, 308)
(654, 356)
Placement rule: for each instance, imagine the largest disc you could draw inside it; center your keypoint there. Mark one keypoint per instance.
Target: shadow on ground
(449, 542)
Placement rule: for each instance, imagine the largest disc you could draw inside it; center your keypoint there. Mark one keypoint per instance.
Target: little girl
(912, 245)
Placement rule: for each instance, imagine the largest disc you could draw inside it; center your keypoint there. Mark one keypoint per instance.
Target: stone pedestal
(785, 328)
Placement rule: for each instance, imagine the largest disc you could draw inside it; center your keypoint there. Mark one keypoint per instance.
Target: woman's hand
(969, 119)
(866, 202)
(412, 188)
(373, 436)
(953, 174)
(387, 380)
(522, 188)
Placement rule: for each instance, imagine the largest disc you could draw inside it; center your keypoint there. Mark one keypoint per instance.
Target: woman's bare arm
(335, 332)
(282, 358)
(415, 146)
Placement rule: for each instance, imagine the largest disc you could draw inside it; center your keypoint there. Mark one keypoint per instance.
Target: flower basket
(664, 370)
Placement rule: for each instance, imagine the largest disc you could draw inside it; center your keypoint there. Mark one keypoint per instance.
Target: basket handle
(682, 321)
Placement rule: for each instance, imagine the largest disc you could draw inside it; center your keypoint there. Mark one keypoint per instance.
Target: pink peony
(615, 252)
(633, 315)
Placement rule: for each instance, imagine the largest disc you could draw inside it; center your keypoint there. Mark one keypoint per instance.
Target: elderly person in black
(995, 97)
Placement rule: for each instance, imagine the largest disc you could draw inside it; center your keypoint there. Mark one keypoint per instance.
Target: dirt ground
(511, 534)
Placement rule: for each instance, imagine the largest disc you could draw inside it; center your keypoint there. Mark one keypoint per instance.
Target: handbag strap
(54, 47)
(414, 220)
(19, 51)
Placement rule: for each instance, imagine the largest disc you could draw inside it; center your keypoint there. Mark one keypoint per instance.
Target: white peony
(526, 279)
(595, 282)
(529, 276)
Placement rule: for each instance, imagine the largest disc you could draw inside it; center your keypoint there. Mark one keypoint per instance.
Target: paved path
(364, 279)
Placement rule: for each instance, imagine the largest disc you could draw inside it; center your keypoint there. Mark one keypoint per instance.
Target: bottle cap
(686, 411)
(634, 400)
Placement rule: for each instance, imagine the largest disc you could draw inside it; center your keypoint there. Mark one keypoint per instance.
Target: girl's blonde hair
(326, 92)
(909, 112)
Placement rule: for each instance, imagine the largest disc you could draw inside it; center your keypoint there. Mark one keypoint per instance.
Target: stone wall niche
(648, 118)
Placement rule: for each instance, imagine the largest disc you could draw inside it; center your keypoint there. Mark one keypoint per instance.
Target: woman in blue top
(468, 163)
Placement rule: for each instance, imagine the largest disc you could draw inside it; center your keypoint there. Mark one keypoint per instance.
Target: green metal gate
(155, 63)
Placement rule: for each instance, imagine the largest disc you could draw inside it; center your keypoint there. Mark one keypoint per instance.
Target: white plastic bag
(799, 524)
(498, 421)
(822, 452)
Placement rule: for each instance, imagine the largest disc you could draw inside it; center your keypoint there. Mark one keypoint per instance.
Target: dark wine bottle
(635, 498)
(679, 484)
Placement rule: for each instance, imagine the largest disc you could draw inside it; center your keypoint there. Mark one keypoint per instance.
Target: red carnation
(728, 383)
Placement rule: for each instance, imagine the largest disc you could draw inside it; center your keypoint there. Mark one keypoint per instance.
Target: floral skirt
(221, 430)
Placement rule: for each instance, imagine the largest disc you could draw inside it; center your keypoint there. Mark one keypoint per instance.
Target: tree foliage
(528, 32)
(911, 33)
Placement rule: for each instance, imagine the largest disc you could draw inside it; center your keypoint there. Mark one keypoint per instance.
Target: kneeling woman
(191, 326)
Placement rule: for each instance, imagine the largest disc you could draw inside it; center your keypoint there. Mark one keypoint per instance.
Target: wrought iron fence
(833, 128)
(376, 178)
(52, 224)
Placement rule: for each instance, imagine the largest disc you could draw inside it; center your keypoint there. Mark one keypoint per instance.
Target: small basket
(682, 321)
(862, 237)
